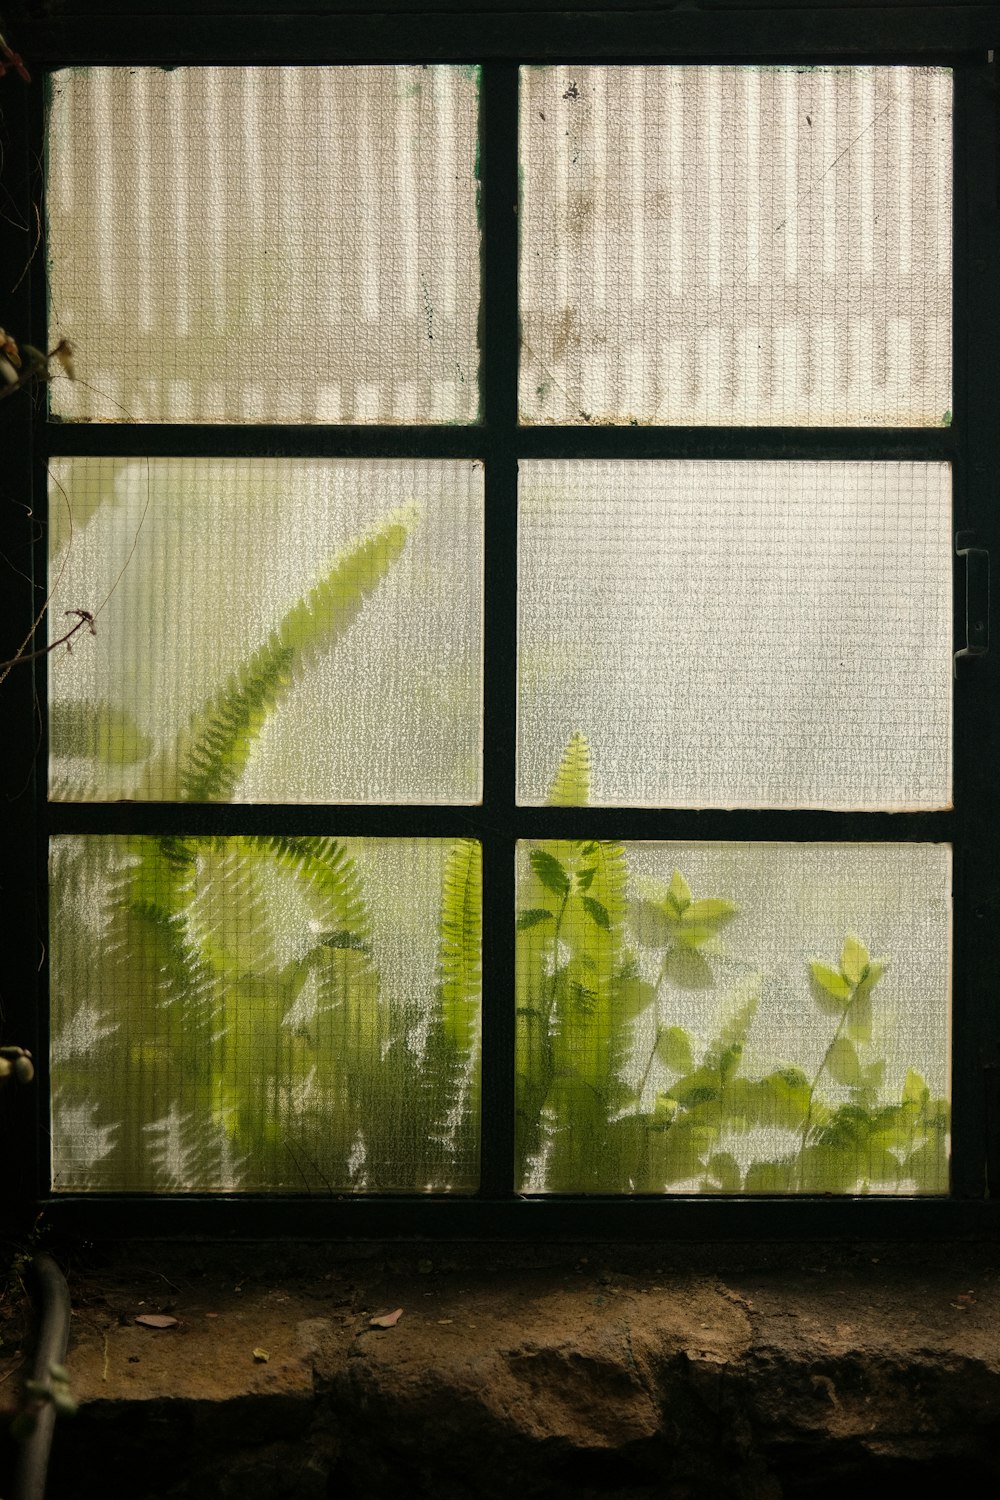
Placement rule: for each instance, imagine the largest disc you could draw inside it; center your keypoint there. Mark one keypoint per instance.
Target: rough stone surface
(621, 1372)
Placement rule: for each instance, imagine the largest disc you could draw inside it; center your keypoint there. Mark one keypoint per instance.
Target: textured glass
(265, 244)
(737, 634)
(731, 1017)
(276, 630)
(736, 246)
(295, 1014)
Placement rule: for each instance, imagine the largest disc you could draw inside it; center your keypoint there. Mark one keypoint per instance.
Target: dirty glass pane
(736, 246)
(277, 630)
(295, 1014)
(768, 634)
(265, 244)
(733, 1017)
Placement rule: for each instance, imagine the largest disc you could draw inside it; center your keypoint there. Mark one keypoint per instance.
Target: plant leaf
(550, 872)
(830, 980)
(854, 959)
(651, 926)
(679, 892)
(769, 1177)
(871, 976)
(597, 912)
(859, 1018)
(693, 937)
(726, 1170)
(531, 916)
(708, 913)
(915, 1090)
(673, 1048)
(386, 1320)
(633, 996)
(842, 1062)
(571, 784)
(686, 968)
(460, 942)
(209, 756)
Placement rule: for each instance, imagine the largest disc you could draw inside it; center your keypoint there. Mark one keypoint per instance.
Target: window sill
(748, 1369)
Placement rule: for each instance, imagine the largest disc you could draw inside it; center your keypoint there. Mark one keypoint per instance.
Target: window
(532, 487)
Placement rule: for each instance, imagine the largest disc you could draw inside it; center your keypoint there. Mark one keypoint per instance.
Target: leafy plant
(201, 1043)
(614, 1093)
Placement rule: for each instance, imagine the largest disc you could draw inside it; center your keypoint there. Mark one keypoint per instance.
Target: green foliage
(595, 984)
(199, 1047)
(210, 755)
(571, 785)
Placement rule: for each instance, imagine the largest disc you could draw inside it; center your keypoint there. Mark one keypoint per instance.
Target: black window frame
(499, 40)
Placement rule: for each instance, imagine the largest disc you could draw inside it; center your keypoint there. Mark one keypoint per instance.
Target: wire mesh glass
(733, 1017)
(265, 244)
(293, 1014)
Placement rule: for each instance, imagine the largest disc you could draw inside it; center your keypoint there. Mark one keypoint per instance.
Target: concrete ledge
(755, 1372)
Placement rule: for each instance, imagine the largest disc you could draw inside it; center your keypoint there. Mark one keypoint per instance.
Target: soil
(750, 1371)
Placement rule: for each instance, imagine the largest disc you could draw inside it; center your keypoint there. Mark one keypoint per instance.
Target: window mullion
(498, 377)
(975, 1042)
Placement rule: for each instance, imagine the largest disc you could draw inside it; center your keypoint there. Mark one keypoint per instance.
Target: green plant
(231, 1027)
(614, 1093)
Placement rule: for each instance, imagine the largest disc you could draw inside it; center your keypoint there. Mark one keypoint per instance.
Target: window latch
(977, 595)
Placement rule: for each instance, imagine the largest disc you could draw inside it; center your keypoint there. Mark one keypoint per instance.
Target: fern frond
(330, 880)
(459, 949)
(209, 756)
(571, 784)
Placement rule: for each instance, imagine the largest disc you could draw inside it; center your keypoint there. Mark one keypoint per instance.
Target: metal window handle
(977, 595)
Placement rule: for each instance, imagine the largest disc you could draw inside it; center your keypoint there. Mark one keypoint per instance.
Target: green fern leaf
(459, 951)
(329, 879)
(210, 755)
(571, 785)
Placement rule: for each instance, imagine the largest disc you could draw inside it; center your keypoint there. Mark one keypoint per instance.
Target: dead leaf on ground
(156, 1320)
(386, 1320)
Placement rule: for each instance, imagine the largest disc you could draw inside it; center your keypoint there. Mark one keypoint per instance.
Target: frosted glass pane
(294, 1014)
(737, 634)
(265, 244)
(276, 630)
(736, 246)
(730, 1017)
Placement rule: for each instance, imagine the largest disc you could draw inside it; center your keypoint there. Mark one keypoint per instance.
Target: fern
(209, 756)
(330, 880)
(459, 949)
(571, 784)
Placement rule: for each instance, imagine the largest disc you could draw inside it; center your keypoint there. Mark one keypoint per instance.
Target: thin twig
(34, 248)
(85, 618)
(12, 60)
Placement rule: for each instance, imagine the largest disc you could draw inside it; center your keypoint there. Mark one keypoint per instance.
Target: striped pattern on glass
(736, 246)
(268, 630)
(732, 634)
(280, 1014)
(733, 1017)
(265, 244)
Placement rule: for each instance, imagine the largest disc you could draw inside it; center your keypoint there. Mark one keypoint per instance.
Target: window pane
(265, 244)
(294, 1014)
(271, 630)
(740, 1018)
(736, 246)
(737, 634)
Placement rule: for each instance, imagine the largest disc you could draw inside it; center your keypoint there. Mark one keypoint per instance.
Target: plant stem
(659, 1028)
(819, 1073)
(85, 618)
